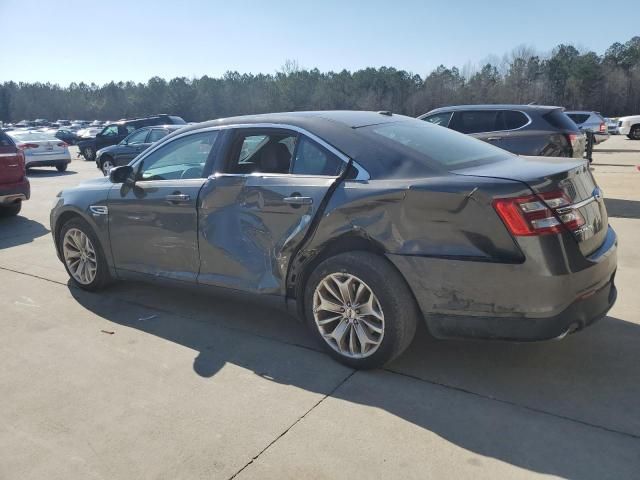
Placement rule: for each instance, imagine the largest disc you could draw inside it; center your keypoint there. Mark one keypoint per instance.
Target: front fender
(79, 203)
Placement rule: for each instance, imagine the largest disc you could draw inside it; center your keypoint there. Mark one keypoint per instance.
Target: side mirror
(121, 174)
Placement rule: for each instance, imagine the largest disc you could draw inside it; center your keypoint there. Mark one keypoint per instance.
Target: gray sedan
(361, 223)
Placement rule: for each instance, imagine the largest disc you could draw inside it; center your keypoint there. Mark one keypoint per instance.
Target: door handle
(298, 200)
(177, 198)
(493, 139)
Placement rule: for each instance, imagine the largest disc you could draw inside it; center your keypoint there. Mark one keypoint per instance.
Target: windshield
(436, 145)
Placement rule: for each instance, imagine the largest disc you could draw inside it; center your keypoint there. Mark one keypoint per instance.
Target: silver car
(592, 122)
(41, 149)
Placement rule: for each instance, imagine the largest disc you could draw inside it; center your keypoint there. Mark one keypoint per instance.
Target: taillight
(603, 127)
(26, 146)
(572, 137)
(537, 214)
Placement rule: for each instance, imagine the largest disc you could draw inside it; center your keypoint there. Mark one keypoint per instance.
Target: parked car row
(114, 133)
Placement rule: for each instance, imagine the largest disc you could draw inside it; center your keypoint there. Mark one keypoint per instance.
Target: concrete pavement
(143, 381)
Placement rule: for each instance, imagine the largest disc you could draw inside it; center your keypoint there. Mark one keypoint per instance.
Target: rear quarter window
(514, 119)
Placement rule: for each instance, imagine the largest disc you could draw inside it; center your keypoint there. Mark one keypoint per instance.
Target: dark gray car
(520, 129)
(361, 223)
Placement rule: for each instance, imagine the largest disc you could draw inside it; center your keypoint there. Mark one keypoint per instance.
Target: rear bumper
(534, 300)
(48, 163)
(15, 192)
(578, 315)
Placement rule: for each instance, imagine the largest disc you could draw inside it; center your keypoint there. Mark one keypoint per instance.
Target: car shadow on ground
(49, 172)
(620, 208)
(19, 230)
(457, 390)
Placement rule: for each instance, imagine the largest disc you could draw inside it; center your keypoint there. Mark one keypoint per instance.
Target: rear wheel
(61, 167)
(82, 255)
(361, 309)
(88, 153)
(10, 210)
(634, 133)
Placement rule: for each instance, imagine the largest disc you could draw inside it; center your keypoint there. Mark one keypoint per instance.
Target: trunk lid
(546, 174)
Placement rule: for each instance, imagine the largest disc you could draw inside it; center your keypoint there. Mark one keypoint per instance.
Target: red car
(14, 184)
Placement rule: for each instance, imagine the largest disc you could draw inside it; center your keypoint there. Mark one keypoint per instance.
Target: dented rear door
(250, 225)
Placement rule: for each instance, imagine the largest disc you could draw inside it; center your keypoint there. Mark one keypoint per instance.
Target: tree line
(608, 83)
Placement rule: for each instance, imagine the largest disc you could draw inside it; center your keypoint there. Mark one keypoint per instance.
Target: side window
(312, 159)
(138, 137)
(441, 119)
(474, 121)
(261, 152)
(156, 134)
(110, 131)
(127, 129)
(514, 119)
(182, 158)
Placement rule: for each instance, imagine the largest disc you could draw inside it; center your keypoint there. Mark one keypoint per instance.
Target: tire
(62, 167)
(106, 164)
(395, 302)
(101, 277)
(10, 210)
(634, 133)
(89, 153)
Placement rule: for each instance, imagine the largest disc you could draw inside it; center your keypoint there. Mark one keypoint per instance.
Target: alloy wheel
(107, 165)
(348, 315)
(80, 256)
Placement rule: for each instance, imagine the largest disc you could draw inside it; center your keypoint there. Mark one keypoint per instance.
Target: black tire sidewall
(393, 295)
(634, 133)
(103, 277)
(10, 210)
(62, 167)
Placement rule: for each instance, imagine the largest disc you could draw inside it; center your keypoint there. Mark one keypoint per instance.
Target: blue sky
(98, 40)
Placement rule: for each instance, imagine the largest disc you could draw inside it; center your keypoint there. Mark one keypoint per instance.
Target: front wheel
(82, 255)
(361, 309)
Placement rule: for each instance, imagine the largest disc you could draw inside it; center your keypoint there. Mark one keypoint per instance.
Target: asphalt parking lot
(143, 381)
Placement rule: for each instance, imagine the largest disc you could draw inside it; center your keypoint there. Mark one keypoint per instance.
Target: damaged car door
(260, 204)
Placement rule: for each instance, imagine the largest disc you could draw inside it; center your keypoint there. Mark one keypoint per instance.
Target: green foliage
(577, 80)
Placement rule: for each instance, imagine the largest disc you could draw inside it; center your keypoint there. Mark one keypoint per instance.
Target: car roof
(307, 120)
(504, 106)
(339, 128)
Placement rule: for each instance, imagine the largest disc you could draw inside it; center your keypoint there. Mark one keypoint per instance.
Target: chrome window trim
(529, 122)
(362, 175)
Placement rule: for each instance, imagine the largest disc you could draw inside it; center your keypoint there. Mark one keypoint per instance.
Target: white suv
(630, 126)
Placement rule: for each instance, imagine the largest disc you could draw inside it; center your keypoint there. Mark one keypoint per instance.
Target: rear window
(579, 118)
(435, 145)
(559, 120)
